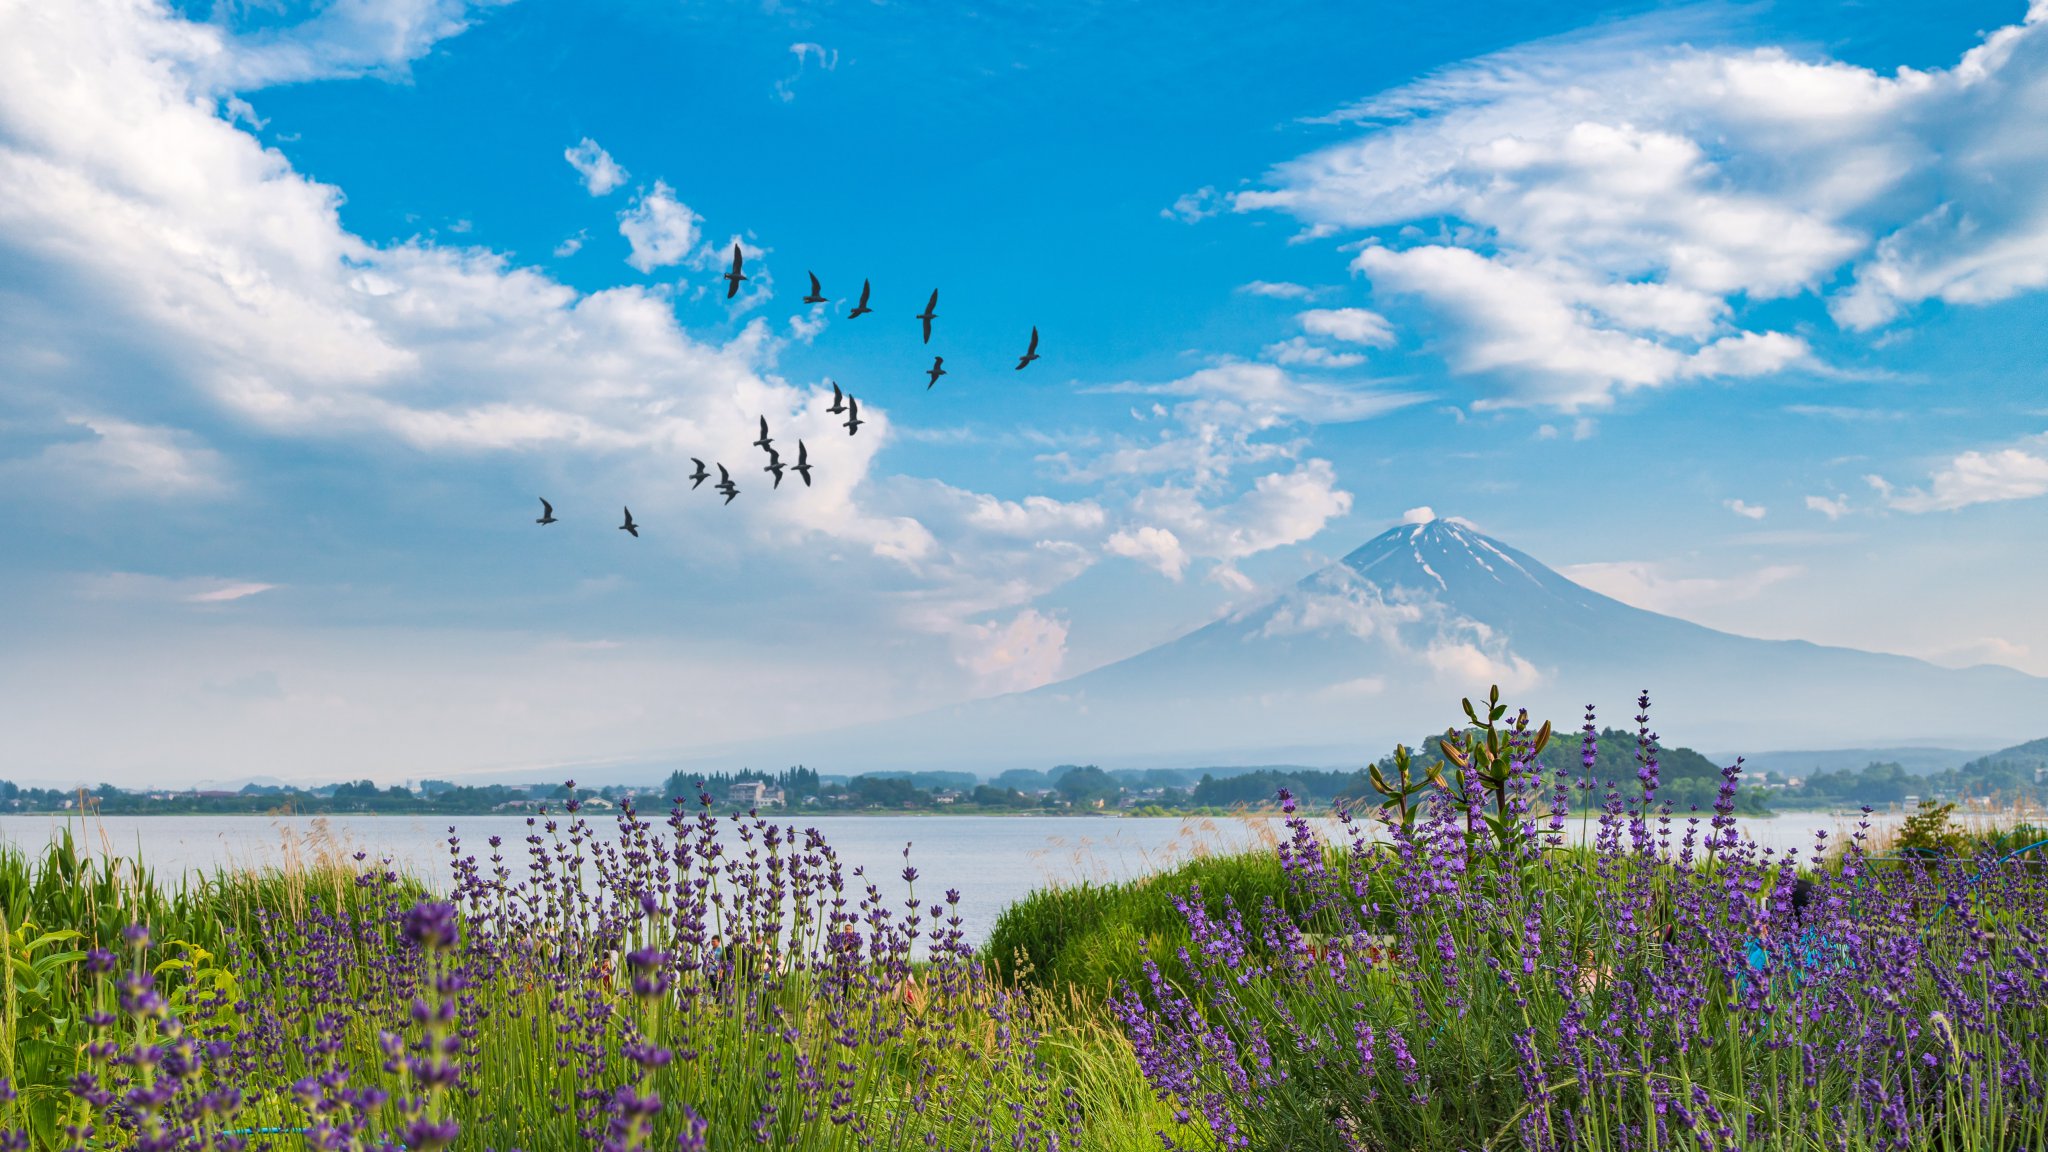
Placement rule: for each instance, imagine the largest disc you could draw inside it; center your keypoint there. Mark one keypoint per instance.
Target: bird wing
(932, 305)
(814, 283)
(546, 509)
(1034, 341)
(802, 453)
(764, 427)
(738, 258)
(724, 477)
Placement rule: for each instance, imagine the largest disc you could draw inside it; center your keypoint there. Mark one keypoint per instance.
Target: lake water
(992, 860)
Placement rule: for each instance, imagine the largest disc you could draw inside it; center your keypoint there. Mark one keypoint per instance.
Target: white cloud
(601, 174)
(343, 38)
(1352, 325)
(189, 590)
(1154, 546)
(1256, 397)
(1752, 511)
(1636, 192)
(1421, 515)
(1277, 290)
(571, 245)
(229, 593)
(828, 61)
(137, 461)
(1833, 509)
(1281, 508)
(1200, 204)
(135, 208)
(1974, 478)
(661, 229)
(1016, 656)
(1650, 586)
(1298, 351)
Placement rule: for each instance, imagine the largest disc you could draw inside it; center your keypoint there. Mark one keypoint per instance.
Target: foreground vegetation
(1459, 978)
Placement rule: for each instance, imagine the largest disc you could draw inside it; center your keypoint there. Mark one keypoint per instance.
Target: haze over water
(992, 860)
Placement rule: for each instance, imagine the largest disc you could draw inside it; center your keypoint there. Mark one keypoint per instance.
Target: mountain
(1384, 642)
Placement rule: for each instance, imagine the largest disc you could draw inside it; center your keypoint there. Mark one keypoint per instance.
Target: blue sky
(1732, 312)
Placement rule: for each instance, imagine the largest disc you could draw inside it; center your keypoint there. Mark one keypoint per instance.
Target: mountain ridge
(1338, 667)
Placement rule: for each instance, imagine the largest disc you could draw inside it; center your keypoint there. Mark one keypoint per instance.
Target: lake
(992, 860)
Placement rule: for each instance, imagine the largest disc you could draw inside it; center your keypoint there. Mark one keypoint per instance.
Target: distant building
(946, 796)
(754, 794)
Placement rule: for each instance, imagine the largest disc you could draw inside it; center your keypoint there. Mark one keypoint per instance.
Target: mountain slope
(1357, 655)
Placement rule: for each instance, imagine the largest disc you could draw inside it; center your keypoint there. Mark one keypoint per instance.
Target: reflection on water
(992, 860)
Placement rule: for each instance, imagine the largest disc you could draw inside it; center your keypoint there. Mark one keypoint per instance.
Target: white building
(754, 794)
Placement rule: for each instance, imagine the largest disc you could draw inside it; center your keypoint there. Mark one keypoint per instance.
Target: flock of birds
(843, 403)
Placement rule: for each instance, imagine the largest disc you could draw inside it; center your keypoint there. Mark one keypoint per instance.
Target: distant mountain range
(1382, 644)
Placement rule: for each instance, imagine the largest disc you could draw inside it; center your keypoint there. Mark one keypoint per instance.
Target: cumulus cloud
(1016, 655)
(1751, 511)
(119, 458)
(1833, 509)
(1153, 546)
(661, 229)
(1611, 203)
(1973, 478)
(1191, 207)
(601, 174)
(1351, 325)
(135, 207)
(1412, 627)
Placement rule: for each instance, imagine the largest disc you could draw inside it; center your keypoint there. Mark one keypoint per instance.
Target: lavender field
(1455, 970)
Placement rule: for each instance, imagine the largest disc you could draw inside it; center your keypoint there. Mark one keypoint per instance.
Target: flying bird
(734, 277)
(861, 309)
(838, 400)
(774, 467)
(726, 485)
(817, 295)
(547, 512)
(698, 477)
(764, 442)
(802, 467)
(853, 420)
(930, 314)
(629, 526)
(1030, 353)
(935, 371)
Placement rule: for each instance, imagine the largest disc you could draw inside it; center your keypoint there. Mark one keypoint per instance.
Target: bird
(734, 277)
(774, 467)
(935, 371)
(1030, 353)
(802, 467)
(817, 295)
(853, 420)
(547, 512)
(929, 314)
(629, 526)
(698, 477)
(861, 309)
(764, 442)
(726, 485)
(838, 400)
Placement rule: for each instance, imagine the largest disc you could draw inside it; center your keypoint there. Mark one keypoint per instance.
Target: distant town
(1687, 781)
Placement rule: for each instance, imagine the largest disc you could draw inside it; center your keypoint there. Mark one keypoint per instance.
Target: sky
(1733, 312)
